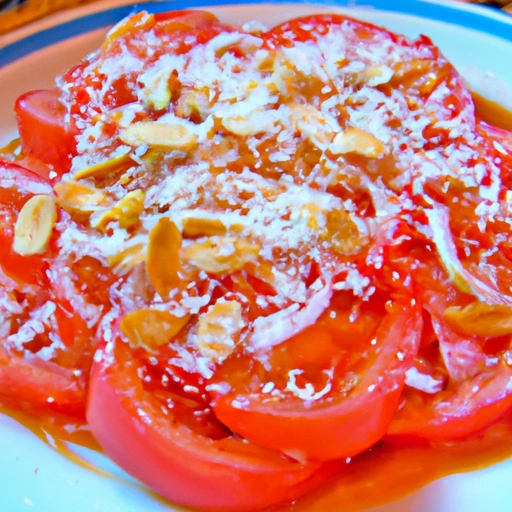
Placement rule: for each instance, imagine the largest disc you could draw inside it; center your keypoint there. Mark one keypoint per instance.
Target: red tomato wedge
(45, 132)
(180, 464)
(336, 426)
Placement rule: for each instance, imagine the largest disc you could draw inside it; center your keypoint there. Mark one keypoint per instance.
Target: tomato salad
(246, 255)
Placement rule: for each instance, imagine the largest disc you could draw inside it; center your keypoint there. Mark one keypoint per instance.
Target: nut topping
(163, 260)
(164, 136)
(357, 141)
(219, 330)
(151, 328)
(35, 225)
(221, 254)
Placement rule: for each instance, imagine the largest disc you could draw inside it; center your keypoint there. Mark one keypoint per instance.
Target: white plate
(477, 40)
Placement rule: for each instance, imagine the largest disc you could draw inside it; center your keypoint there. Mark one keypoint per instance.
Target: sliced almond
(35, 225)
(197, 226)
(151, 328)
(248, 126)
(79, 199)
(126, 211)
(481, 319)
(163, 259)
(103, 169)
(219, 330)
(356, 141)
(127, 259)
(221, 254)
(164, 136)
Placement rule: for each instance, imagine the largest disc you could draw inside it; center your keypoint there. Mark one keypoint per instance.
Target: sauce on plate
(385, 473)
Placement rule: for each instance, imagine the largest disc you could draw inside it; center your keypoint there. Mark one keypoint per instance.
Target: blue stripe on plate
(477, 18)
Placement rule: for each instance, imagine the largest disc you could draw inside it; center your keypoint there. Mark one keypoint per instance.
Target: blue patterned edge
(474, 17)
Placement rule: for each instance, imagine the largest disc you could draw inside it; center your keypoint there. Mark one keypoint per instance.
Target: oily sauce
(492, 112)
(385, 473)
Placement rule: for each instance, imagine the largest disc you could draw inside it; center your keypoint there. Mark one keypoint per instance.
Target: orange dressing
(389, 472)
(381, 475)
(492, 112)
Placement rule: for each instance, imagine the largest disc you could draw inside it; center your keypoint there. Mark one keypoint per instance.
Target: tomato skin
(345, 426)
(180, 465)
(44, 132)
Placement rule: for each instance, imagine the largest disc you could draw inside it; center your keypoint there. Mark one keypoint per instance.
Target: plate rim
(475, 17)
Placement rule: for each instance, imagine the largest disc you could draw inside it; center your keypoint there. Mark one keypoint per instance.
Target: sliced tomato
(31, 374)
(152, 444)
(17, 186)
(343, 422)
(44, 129)
(80, 286)
(31, 383)
(472, 374)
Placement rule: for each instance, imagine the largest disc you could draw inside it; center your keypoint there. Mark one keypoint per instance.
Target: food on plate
(247, 256)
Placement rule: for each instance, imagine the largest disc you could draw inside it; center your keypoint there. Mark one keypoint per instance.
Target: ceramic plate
(477, 40)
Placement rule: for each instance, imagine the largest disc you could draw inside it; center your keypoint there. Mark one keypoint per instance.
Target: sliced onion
(447, 251)
(272, 330)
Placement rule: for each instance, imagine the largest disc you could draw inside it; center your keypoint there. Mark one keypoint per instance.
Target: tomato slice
(177, 462)
(17, 186)
(34, 384)
(339, 424)
(471, 372)
(45, 132)
(31, 374)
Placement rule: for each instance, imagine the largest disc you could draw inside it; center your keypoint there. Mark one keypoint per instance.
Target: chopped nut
(481, 319)
(376, 75)
(126, 260)
(219, 330)
(194, 226)
(359, 142)
(151, 328)
(79, 199)
(103, 169)
(312, 124)
(282, 77)
(35, 225)
(163, 260)
(126, 211)
(157, 95)
(221, 254)
(193, 104)
(342, 232)
(163, 136)
(312, 213)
